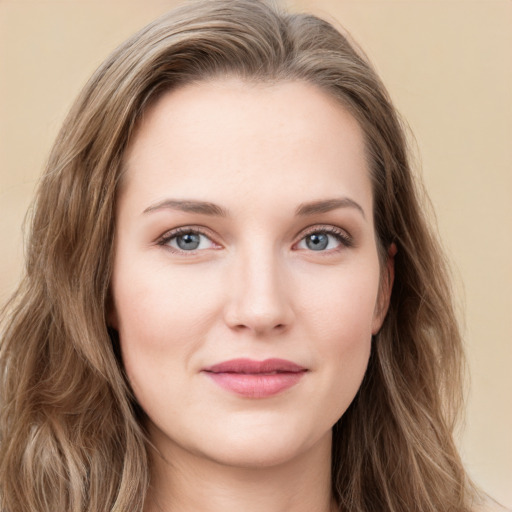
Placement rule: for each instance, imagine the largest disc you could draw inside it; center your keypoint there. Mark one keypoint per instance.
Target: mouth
(256, 379)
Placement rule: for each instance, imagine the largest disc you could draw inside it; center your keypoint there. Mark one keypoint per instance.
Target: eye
(187, 240)
(325, 240)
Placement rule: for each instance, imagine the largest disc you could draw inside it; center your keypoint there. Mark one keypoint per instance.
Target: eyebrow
(328, 205)
(202, 207)
(207, 208)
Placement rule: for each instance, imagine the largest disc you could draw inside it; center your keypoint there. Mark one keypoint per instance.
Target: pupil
(189, 241)
(317, 241)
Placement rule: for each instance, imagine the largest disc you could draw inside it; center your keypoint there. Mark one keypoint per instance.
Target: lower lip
(256, 385)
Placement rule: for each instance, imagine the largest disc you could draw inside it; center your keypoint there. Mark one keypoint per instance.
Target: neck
(192, 483)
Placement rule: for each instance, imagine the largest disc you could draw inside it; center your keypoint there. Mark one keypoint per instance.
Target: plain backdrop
(448, 67)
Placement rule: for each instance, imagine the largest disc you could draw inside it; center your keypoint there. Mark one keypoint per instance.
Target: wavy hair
(70, 431)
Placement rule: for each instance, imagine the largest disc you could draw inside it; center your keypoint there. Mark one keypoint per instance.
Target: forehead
(228, 137)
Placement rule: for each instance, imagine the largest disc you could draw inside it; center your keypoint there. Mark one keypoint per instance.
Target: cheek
(338, 317)
(341, 304)
(162, 318)
(153, 304)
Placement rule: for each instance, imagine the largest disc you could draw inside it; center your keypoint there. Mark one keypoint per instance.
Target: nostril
(259, 308)
(259, 329)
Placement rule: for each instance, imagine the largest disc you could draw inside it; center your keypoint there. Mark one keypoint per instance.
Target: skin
(253, 288)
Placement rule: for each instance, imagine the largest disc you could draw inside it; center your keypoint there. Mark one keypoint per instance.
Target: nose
(259, 296)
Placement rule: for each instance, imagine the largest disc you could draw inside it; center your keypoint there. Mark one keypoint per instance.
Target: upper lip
(250, 366)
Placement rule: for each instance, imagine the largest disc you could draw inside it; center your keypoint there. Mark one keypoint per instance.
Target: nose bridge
(259, 300)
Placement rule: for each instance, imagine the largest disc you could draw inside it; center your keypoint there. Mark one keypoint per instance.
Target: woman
(232, 298)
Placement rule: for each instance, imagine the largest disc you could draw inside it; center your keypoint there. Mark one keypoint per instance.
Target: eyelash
(167, 237)
(346, 241)
(341, 236)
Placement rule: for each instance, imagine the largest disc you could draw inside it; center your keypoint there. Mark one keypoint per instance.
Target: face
(246, 279)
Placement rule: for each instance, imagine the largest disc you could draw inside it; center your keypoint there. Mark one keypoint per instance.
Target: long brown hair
(70, 435)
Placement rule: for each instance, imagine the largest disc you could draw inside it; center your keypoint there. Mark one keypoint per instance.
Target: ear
(386, 287)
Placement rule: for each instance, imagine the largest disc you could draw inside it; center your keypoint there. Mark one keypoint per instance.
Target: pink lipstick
(256, 379)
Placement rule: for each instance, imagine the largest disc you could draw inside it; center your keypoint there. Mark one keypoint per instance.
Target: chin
(262, 447)
(256, 455)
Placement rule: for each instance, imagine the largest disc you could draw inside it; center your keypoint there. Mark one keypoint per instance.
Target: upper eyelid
(323, 228)
(170, 233)
(329, 229)
(192, 228)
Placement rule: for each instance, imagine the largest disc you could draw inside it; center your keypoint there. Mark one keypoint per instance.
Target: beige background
(448, 66)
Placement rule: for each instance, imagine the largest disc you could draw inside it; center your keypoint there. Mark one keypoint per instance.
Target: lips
(255, 379)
